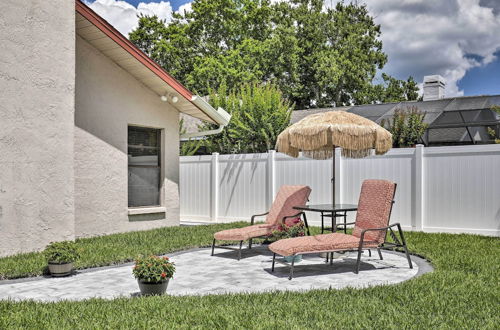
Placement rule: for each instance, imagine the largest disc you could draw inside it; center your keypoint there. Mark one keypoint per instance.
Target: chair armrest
(290, 216)
(376, 229)
(257, 215)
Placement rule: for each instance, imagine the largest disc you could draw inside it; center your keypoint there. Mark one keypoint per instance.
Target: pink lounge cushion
(318, 243)
(243, 234)
(374, 208)
(286, 198)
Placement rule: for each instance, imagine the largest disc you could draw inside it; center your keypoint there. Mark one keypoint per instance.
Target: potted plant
(153, 274)
(60, 257)
(291, 228)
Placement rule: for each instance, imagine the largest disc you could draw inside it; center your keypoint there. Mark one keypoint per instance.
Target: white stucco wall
(37, 65)
(108, 99)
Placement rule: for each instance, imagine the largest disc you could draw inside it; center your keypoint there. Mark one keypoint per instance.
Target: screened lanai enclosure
(452, 121)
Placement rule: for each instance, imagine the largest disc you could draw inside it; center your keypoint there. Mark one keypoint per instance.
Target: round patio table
(329, 211)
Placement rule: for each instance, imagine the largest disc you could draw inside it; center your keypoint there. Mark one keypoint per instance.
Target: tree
(406, 126)
(491, 131)
(316, 56)
(391, 90)
(259, 114)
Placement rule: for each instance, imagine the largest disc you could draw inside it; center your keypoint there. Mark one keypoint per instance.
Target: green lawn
(462, 292)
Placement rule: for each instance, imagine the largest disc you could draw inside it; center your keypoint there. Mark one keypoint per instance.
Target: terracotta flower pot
(153, 288)
(58, 270)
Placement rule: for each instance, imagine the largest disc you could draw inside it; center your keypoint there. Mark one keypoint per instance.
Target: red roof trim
(127, 45)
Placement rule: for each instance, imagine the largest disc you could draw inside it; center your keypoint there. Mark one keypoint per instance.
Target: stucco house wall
(37, 84)
(107, 100)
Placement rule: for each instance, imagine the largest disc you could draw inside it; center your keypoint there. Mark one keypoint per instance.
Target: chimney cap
(435, 78)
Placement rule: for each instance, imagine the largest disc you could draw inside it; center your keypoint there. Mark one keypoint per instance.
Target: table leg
(345, 222)
(334, 222)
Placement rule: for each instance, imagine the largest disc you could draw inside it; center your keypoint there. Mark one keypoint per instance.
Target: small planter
(153, 289)
(297, 258)
(58, 270)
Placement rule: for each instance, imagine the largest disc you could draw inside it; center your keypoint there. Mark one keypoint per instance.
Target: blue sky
(174, 3)
(482, 80)
(456, 39)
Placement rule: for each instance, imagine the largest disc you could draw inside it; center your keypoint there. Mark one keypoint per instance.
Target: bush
(153, 269)
(259, 114)
(61, 252)
(407, 127)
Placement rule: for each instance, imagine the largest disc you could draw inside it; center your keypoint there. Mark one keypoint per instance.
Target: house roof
(433, 109)
(450, 120)
(100, 34)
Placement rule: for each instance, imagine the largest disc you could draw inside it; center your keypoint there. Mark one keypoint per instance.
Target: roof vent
(434, 87)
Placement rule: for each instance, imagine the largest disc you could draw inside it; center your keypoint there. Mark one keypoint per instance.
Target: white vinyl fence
(440, 189)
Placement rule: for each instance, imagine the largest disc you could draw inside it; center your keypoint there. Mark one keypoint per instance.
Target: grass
(117, 248)
(462, 292)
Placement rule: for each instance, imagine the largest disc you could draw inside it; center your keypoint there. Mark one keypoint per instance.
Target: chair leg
(274, 260)
(213, 247)
(250, 244)
(307, 225)
(331, 258)
(358, 262)
(380, 254)
(369, 252)
(291, 270)
(239, 251)
(404, 246)
(408, 256)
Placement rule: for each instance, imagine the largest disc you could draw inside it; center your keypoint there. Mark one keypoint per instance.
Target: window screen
(144, 166)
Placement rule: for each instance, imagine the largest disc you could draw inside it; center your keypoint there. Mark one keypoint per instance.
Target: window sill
(146, 210)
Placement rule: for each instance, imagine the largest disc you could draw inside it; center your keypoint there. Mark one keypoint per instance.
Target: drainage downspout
(187, 136)
(220, 116)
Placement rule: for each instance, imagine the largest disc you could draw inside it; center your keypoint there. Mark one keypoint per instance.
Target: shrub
(153, 269)
(407, 127)
(61, 252)
(259, 114)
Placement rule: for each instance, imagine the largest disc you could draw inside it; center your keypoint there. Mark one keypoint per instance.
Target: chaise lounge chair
(281, 210)
(370, 229)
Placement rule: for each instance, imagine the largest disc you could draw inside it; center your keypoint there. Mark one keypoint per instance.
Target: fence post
(215, 187)
(418, 216)
(339, 181)
(271, 177)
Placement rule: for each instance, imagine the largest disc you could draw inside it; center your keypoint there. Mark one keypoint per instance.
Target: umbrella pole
(333, 178)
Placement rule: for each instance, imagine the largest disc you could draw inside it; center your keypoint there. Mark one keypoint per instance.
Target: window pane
(143, 146)
(143, 186)
(143, 166)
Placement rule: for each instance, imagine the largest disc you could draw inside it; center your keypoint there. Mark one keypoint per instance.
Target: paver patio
(199, 274)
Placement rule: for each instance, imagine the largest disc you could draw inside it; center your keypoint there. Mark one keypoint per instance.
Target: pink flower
(163, 275)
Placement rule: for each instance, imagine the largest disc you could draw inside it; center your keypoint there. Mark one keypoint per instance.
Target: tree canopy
(316, 56)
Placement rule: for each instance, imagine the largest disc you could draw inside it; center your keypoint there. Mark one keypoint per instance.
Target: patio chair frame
(252, 222)
(398, 243)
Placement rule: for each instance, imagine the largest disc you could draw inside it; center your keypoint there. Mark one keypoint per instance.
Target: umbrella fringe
(357, 136)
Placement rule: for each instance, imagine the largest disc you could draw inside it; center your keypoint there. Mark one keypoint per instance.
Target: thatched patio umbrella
(317, 136)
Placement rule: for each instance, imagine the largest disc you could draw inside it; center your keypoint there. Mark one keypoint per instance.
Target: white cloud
(123, 16)
(185, 8)
(424, 37)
